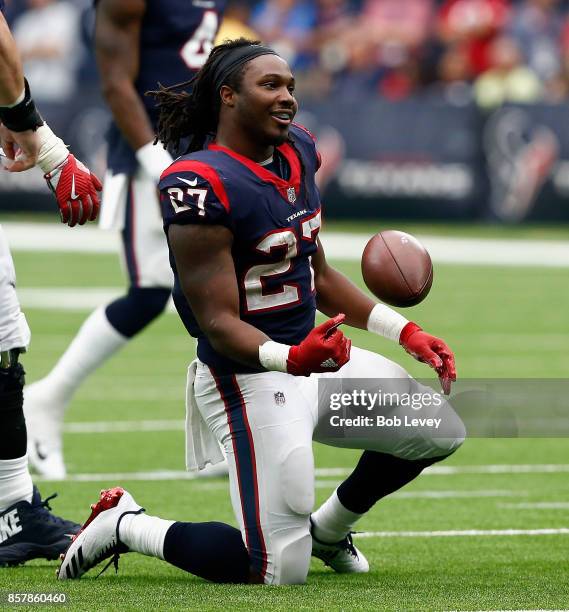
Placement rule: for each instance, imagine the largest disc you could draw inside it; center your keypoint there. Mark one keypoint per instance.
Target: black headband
(235, 58)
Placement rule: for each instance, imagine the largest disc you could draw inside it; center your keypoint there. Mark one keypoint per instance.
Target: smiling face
(264, 106)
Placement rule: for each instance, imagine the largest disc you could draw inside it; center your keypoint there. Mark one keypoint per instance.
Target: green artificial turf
(501, 322)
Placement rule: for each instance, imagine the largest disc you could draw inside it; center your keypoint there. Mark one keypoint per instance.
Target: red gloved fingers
(86, 209)
(447, 371)
(328, 328)
(445, 381)
(96, 205)
(75, 208)
(64, 212)
(96, 182)
(94, 195)
(344, 355)
(424, 353)
(432, 351)
(96, 209)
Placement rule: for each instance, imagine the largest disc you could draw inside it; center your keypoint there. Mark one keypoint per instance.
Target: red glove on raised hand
(430, 350)
(325, 349)
(75, 188)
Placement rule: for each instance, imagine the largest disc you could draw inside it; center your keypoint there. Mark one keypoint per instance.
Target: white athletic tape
(53, 151)
(385, 322)
(273, 356)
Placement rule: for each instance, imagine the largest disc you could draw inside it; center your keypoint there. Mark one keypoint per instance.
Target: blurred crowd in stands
(486, 51)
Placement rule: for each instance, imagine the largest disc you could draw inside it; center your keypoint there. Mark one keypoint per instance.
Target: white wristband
(385, 322)
(154, 159)
(273, 356)
(53, 150)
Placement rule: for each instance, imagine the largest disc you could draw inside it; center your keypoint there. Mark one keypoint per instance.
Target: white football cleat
(98, 539)
(45, 438)
(343, 557)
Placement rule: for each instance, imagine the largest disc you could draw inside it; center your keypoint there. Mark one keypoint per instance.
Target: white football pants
(131, 204)
(14, 330)
(266, 423)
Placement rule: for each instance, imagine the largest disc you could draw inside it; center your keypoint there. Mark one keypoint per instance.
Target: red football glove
(430, 350)
(325, 349)
(75, 187)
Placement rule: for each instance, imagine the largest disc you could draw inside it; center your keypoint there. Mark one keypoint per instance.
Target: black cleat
(30, 531)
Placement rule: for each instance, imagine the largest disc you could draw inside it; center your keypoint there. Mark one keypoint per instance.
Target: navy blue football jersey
(176, 38)
(2, 5)
(274, 221)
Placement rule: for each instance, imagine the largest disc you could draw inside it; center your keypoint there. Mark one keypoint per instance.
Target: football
(397, 268)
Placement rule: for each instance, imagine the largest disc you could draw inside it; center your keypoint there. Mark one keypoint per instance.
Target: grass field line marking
(537, 468)
(74, 299)
(455, 533)
(339, 245)
(537, 505)
(204, 481)
(452, 470)
(123, 426)
(461, 494)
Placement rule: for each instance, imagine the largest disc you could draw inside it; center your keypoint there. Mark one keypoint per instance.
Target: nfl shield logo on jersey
(291, 193)
(280, 398)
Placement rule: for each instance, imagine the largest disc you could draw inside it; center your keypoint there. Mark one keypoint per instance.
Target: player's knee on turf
(291, 542)
(292, 555)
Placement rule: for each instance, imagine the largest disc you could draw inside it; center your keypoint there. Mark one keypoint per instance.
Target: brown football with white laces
(397, 268)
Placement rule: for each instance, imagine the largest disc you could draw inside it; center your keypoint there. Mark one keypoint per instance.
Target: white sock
(95, 342)
(332, 521)
(144, 534)
(15, 482)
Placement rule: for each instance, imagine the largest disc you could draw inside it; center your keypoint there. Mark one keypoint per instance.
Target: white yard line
(464, 533)
(203, 480)
(123, 426)
(74, 299)
(538, 468)
(452, 470)
(339, 245)
(460, 494)
(537, 506)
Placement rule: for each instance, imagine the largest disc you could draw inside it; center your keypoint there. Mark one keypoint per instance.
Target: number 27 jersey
(274, 222)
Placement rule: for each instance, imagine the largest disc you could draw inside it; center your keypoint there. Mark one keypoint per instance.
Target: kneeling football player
(242, 215)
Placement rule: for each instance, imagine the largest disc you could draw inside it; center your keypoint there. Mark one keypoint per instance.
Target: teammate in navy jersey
(242, 216)
(28, 530)
(138, 43)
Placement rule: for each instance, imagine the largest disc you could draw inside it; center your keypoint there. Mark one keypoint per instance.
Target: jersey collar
(282, 186)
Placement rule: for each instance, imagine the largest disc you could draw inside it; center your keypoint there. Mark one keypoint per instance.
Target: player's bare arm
(11, 92)
(117, 43)
(11, 75)
(335, 293)
(207, 275)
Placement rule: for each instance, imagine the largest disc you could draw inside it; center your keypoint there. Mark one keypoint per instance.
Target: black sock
(14, 437)
(378, 475)
(214, 551)
(135, 310)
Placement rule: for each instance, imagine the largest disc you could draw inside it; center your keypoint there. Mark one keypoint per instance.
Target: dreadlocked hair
(195, 114)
